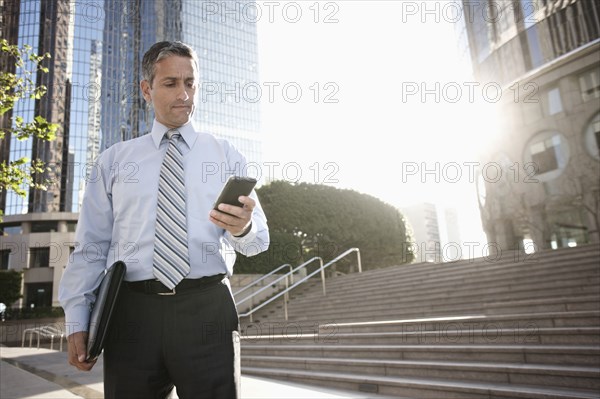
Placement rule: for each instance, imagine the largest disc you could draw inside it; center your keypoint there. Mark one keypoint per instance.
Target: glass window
(535, 50)
(12, 230)
(549, 154)
(554, 103)
(38, 295)
(39, 257)
(567, 228)
(592, 137)
(589, 84)
(543, 154)
(44, 227)
(4, 259)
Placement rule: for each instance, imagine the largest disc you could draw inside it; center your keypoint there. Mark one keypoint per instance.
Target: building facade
(94, 97)
(545, 57)
(39, 245)
(435, 233)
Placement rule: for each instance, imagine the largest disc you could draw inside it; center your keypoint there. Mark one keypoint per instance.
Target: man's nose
(183, 94)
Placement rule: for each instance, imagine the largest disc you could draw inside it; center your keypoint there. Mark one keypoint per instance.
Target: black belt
(156, 287)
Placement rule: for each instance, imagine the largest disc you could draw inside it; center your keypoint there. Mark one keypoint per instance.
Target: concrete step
(415, 309)
(262, 330)
(466, 275)
(444, 289)
(406, 288)
(546, 256)
(517, 327)
(558, 376)
(445, 273)
(424, 290)
(554, 303)
(420, 387)
(525, 292)
(444, 278)
(549, 262)
(528, 321)
(544, 305)
(423, 307)
(575, 355)
(349, 290)
(491, 335)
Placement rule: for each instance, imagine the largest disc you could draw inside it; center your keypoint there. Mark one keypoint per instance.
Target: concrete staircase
(515, 326)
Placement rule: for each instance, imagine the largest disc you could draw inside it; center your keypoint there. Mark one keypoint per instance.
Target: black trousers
(188, 340)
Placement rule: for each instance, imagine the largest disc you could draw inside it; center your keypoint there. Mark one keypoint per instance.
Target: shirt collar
(187, 131)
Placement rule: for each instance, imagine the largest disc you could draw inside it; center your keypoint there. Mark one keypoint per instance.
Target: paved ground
(42, 373)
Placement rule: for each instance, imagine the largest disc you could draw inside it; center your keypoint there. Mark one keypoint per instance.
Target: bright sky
(343, 102)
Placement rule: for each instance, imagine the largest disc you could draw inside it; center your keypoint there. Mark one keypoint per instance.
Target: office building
(545, 57)
(435, 232)
(94, 97)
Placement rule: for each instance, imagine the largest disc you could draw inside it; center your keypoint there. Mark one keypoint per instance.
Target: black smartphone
(234, 187)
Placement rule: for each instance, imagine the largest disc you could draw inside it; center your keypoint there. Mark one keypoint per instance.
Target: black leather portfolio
(102, 311)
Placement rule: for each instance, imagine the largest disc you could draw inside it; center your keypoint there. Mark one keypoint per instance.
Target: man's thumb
(81, 347)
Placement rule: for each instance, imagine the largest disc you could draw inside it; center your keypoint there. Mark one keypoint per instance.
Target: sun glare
(378, 106)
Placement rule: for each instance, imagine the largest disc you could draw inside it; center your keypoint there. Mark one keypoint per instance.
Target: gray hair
(161, 50)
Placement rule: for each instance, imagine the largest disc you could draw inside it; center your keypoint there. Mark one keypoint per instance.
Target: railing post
(251, 306)
(358, 257)
(323, 277)
(285, 299)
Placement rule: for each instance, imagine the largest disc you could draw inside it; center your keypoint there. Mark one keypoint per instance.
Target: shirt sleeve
(88, 261)
(257, 239)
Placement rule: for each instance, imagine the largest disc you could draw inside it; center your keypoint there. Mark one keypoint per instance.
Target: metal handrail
(287, 277)
(264, 277)
(46, 332)
(288, 289)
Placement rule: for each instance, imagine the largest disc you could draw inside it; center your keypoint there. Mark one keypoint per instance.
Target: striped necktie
(171, 259)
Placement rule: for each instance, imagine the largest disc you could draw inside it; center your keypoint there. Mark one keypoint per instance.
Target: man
(175, 321)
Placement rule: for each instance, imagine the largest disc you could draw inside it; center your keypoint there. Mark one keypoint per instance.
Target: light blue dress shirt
(118, 215)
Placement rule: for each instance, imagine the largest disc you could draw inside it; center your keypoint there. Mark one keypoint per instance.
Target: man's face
(172, 91)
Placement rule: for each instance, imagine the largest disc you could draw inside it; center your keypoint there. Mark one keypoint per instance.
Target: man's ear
(145, 86)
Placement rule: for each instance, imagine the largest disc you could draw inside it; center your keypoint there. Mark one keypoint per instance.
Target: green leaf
(18, 175)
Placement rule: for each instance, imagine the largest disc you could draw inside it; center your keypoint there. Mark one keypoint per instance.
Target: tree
(20, 174)
(10, 286)
(307, 220)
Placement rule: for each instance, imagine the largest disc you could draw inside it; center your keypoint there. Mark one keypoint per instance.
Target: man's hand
(232, 218)
(77, 343)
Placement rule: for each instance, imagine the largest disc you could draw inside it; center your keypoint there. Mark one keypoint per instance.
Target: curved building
(545, 56)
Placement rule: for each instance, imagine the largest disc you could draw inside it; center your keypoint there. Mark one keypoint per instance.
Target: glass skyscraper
(97, 49)
(94, 96)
